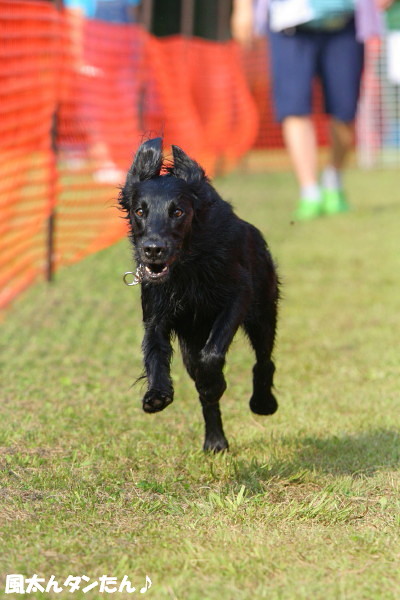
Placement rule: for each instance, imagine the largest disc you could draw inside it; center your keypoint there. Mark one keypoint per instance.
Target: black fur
(205, 273)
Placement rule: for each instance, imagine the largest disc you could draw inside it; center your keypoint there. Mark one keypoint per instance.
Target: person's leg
(341, 90)
(301, 143)
(293, 66)
(300, 140)
(341, 138)
(341, 142)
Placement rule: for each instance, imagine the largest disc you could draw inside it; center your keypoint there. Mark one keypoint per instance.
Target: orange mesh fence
(28, 63)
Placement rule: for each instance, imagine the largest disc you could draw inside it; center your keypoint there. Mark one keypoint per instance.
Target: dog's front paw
(154, 401)
(215, 444)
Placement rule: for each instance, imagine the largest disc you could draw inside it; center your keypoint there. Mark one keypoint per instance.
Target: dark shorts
(336, 58)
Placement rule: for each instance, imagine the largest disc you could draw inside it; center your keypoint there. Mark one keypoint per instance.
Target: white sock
(311, 193)
(331, 178)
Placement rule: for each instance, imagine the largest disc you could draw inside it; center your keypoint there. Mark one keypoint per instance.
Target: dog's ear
(185, 168)
(147, 162)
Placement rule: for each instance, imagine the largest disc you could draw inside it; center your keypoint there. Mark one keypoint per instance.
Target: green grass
(305, 505)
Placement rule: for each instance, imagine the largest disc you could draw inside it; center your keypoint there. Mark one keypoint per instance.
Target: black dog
(204, 272)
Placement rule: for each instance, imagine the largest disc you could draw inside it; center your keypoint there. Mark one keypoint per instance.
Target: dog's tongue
(156, 271)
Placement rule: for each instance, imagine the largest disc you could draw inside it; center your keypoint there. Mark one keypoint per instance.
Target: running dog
(204, 272)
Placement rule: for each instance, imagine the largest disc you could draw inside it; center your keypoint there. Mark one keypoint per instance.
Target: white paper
(289, 13)
(393, 56)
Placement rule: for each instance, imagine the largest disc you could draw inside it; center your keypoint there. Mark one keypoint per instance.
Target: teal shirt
(326, 14)
(91, 8)
(331, 14)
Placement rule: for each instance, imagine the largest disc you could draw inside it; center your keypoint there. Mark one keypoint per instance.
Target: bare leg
(301, 142)
(300, 139)
(341, 142)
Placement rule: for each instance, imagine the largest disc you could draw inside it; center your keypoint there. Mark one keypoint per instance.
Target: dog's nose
(154, 251)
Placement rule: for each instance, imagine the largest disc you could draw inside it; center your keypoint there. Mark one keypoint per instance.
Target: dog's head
(160, 208)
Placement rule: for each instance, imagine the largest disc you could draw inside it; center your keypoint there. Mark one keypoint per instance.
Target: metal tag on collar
(137, 276)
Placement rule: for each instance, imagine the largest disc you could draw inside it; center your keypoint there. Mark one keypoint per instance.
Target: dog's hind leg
(261, 335)
(210, 384)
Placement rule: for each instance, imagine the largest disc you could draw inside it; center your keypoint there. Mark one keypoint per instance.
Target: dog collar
(137, 276)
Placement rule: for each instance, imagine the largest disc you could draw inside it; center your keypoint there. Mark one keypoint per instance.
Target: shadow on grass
(358, 455)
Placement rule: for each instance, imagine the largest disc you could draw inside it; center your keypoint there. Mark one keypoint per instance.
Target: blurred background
(83, 83)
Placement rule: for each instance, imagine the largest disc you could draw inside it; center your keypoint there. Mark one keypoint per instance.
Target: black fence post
(51, 220)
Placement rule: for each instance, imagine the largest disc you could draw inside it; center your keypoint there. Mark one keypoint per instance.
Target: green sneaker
(308, 209)
(333, 202)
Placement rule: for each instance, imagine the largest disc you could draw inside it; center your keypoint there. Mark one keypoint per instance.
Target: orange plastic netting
(28, 66)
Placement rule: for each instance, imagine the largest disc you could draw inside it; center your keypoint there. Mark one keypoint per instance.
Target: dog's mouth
(156, 271)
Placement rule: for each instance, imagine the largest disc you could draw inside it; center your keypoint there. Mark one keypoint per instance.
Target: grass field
(306, 504)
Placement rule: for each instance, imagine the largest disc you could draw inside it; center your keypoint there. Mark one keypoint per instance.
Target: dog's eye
(139, 212)
(178, 212)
